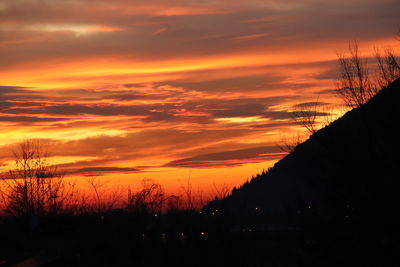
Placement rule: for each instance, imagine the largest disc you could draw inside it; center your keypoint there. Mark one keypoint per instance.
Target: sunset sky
(169, 90)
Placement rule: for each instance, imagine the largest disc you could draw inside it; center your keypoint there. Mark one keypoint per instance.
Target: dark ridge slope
(348, 170)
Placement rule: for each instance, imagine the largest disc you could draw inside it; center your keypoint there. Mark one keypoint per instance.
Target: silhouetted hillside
(340, 189)
(345, 174)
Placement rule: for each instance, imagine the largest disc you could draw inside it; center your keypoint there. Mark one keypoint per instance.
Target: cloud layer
(138, 86)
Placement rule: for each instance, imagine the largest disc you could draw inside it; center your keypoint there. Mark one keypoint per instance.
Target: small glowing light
(256, 208)
(212, 213)
(309, 207)
(202, 233)
(155, 215)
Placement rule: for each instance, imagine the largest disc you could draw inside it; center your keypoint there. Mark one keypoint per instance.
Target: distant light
(155, 215)
(202, 233)
(309, 207)
(212, 213)
(256, 208)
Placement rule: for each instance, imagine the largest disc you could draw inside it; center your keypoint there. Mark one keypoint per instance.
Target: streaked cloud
(139, 87)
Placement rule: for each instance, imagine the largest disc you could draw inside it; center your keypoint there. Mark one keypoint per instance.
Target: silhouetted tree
(288, 145)
(354, 84)
(33, 185)
(388, 67)
(189, 202)
(173, 203)
(306, 115)
(221, 191)
(151, 198)
(103, 201)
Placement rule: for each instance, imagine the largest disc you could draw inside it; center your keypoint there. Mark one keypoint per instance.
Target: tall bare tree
(151, 198)
(388, 67)
(354, 84)
(33, 185)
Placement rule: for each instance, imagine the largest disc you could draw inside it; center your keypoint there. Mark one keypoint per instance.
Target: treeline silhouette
(34, 187)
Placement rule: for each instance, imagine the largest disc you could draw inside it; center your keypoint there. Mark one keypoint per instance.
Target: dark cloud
(23, 119)
(310, 104)
(134, 96)
(102, 170)
(230, 158)
(135, 85)
(11, 89)
(234, 84)
(332, 92)
(15, 93)
(273, 125)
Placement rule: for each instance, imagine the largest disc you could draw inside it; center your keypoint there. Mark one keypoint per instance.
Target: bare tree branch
(354, 85)
(388, 67)
(33, 185)
(288, 145)
(306, 115)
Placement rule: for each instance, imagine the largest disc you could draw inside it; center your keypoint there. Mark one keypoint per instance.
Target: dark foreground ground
(191, 239)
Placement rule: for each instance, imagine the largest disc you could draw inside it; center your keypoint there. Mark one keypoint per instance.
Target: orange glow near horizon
(193, 90)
